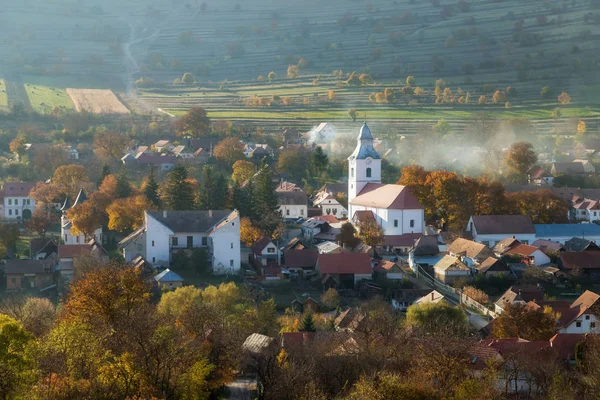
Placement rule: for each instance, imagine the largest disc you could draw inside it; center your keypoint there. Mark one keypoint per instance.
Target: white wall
(131, 251)
(540, 258)
(525, 238)
(295, 211)
(386, 219)
(157, 241)
(15, 209)
(585, 325)
(226, 248)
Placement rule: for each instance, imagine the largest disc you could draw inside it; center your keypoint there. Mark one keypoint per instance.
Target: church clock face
(369, 161)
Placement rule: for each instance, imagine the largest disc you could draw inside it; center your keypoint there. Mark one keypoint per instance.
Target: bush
(478, 295)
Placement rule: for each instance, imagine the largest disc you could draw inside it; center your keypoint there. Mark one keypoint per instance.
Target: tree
(272, 76)
(564, 98)
(331, 95)
(499, 97)
(17, 146)
(520, 158)
(411, 81)
(150, 189)
(352, 114)
(242, 171)
(14, 358)
(438, 319)
(41, 221)
(347, 235)
(387, 385)
(126, 214)
(195, 122)
(371, 233)
(308, 323)
(178, 192)
(103, 174)
(521, 321)
(44, 162)
(266, 213)
(188, 78)
(229, 151)
(292, 71)
(213, 190)
(478, 295)
(331, 299)
(86, 218)
(545, 92)
(70, 178)
(319, 160)
(110, 145)
(581, 128)
(556, 114)
(116, 187)
(442, 127)
(293, 162)
(249, 234)
(482, 100)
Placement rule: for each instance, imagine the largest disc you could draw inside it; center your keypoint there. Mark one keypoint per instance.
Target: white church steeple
(364, 164)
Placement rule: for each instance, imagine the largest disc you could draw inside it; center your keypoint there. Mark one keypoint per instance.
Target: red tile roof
(395, 197)
(503, 224)
(73, 250)
(328, 218)
(344, 263)
(406, 240)
(305, 258)
(522, 250)
(581, 260)
(18, 189)
(260, 245)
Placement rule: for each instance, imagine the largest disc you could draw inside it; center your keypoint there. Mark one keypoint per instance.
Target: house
(450, 268)
(314, 226)
(18, 203)
(168, 280)
(69, 252)
(562, 232)
(404, 298)
(293, 204)
(349, 320)
(394, 207)
(493, 267)
(579, 244)
(539, 176)
(65, 231)
(134, 244)
(425, 252)
(25, 275)
(324, 133)
(585, 210)
(548, 246)
(529, 255)
(42, 248)
(491, 229)
(305, 305)
(163, 146)
(567, 168)
(388, 269)
(201, 155)
(585, 264)
(182, 152)
(265, 251)
(329, 205)
(259, 345)
(469, 252)
(588, 167)
(505, 244)
(346, 268)
(146, 270)
(521, 295)
(285, 186)
(433, 297)
(328, 248)
(300, 260)
(163, 162)
(582, 318)
(217, 231)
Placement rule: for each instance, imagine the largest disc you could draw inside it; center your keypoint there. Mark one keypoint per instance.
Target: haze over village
(279, 200)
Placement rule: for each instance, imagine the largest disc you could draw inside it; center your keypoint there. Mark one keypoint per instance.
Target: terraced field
(44, 99)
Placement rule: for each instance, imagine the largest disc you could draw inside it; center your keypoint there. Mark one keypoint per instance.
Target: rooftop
(168, 276)
(344, 263)
(547, 231)
(395, 197)
(190, 221)
(503, 224)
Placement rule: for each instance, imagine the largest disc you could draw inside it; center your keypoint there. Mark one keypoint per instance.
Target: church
(393, 207)
(69, 237)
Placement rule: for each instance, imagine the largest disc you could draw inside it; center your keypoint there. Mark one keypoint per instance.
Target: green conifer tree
(308, 323)
(178, 193)
(265, 203)
(103, 174)
(151, 189)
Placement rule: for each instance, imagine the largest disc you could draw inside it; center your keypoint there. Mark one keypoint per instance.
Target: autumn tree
(347, 235)
(438, 319)
(127, 214)
(110, 145)
(47, 161)
(178, 193)
(520, 158)
(292, 71)
(195, 122)
(15, 355)
(116, 186)
(229, 151)
(371, 233)
(543, 206)
(522, 321)
(41, 221)
(69, 179)
(499, 97)
(249, 234)
(86, 218)
(293, 163)
(476, 294)
(564, 98)
(242, 171)
(331, 299)
(17, 147)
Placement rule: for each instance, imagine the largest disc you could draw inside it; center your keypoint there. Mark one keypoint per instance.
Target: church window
(351, 173)
(368, 172)
(395, 223)
(412, 223)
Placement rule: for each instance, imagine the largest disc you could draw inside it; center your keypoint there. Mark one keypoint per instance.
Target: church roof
(365, 133)
(395, 197)
(81, 197)
(365, 148)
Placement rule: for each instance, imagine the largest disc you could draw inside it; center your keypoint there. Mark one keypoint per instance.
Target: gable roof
(260, 245)
(168, 276)
(131, 238)
(197, 221)
(73, 250)
(364, 216)
(568, 168)
(522, 250)
(406, 240)
(504, 245)
(293, 198)
(18, 189)
(450, 263)
(40, 245)
(386, 266)
(492, 264)
(579, 244)
(161, 143)
(306, 258)
(524, 294)
(426, 246)
(258, 344)
(547, 245)
(14, 267)
(503, 224)
(566, 230)
(344, 263)
(469, 248)
(395, 197)
(580, 260)
(155, 159)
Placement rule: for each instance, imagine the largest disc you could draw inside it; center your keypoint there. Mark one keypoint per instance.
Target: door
(190, 242)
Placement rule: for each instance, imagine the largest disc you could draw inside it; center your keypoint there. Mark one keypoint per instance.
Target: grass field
(43, 99)
(3, 96)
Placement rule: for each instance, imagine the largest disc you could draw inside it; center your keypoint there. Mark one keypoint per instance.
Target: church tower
(364, 165)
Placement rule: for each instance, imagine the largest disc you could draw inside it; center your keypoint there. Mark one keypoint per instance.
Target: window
(190, 241)
(28, 202)
(10, 202)
(13, 280)
(175, 241)
(271, 250)
(524, 241)
(302, 211)
(232, 245)
(368, 172)
(587, 317)
(578, 324)
(231, 263)
(65, 238)
(351, 173)
(77, 239)
(153, 259)
(592, 325)
(395, 223)
(287, 212)
(9, 212)
(412, 223)
(204, 241)
(17, 211)
(153, 243)
(233, 224)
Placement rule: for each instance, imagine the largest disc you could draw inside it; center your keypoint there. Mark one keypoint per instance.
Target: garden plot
(97, 101)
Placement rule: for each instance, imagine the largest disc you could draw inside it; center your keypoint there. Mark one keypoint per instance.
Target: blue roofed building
(168, 279)
(563, 232)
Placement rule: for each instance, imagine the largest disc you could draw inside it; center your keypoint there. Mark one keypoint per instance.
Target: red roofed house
(491, 229)
(265, 252)
(303, 260)
(67, 253)
(389, 269)
(346, 268)
(582, 319)
(530, 255)
(394, 207)
(17, 200)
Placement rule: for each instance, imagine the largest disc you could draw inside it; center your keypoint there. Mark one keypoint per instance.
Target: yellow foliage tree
(249, 234)
(128, 214)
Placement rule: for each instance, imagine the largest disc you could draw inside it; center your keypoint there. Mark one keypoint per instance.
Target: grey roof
(295, 198)
(579, 244)
(81, 197)
(66, 205)
(190, 221)
(130, 238)
(29, 266)
(257, 343)
(168, 276)
(365, 147)
(426, 246)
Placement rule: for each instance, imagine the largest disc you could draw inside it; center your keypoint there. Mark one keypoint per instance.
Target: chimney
(210, 213)
(432, 296)
(164, 213)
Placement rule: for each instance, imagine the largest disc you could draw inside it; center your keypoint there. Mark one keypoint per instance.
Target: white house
(293, 204)
(394, 207)
(490, 229)
(65, 225)
(530, 255)
(581, 319)
(324, 133)
(586, 210)
(17, 200)
(134, 245)
(329, 205)
(182, 152)
(216, 230)
(265, 251)
(163, 145)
